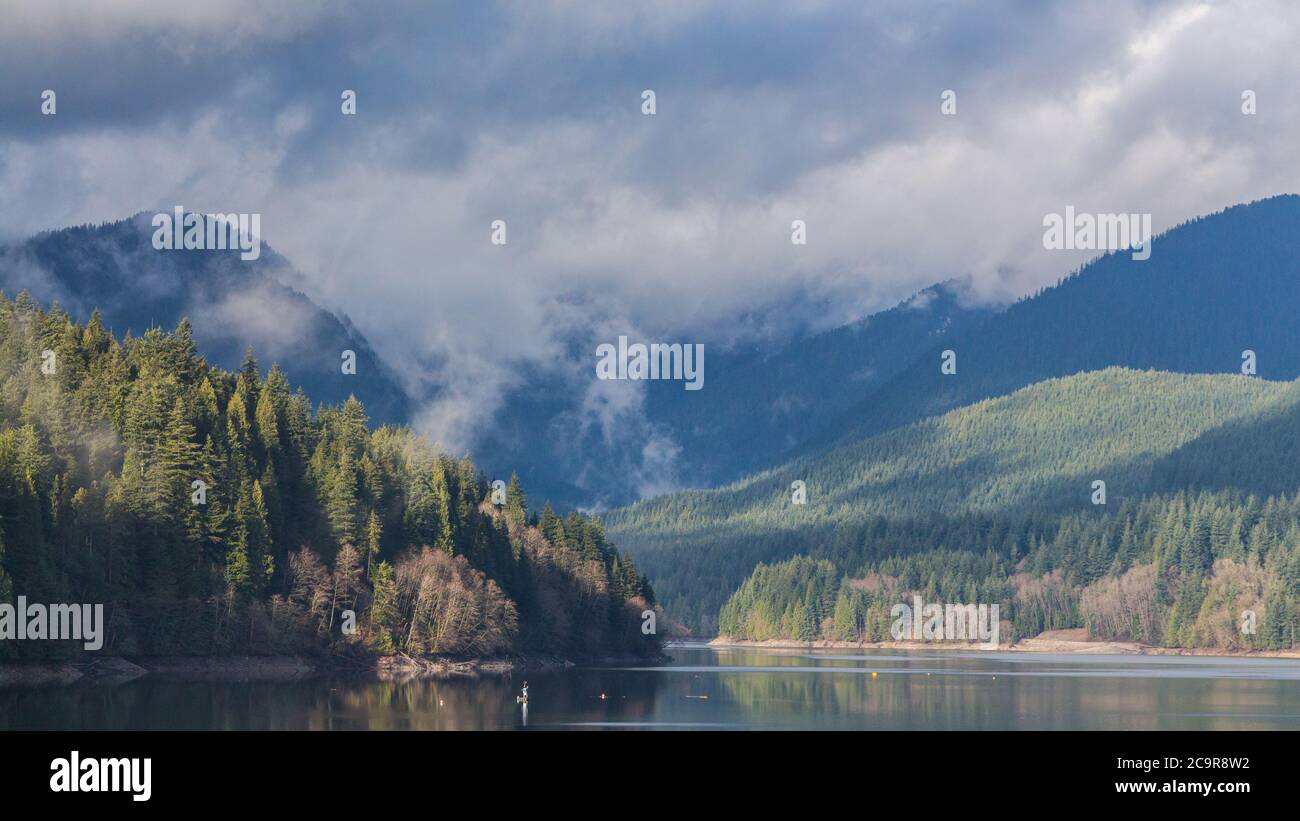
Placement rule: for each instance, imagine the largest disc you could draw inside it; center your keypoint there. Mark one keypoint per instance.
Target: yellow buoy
(873, 673)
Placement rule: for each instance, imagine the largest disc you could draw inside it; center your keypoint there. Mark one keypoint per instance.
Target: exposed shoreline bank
(1053, 641)
(118, 669)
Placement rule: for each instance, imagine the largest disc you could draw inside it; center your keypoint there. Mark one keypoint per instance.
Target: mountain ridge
(1035, 452)
(1118, 311)
(758, 401)
(232, 304)
(1215, 287)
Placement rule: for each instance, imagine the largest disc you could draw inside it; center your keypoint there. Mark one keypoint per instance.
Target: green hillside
(1214, 286)
(215, 512)
(1209, 569)
(1033, 454)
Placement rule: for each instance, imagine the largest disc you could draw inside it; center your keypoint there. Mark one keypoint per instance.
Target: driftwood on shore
(115, 669)
(403, 666)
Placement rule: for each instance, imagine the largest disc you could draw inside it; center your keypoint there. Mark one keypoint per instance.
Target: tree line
(219, 512)
(1188, 569)
(1011, 463)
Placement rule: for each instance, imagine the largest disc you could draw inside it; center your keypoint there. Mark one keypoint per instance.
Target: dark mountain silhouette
(232, 304)
(758, 404)
(1213, 287)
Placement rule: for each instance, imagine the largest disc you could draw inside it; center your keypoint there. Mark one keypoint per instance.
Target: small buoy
(873, 673)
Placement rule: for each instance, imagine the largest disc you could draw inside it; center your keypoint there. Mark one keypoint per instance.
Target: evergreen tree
(341, 504)
(516, 502)
(373, 532)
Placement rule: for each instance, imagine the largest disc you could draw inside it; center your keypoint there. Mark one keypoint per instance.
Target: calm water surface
(707, 688)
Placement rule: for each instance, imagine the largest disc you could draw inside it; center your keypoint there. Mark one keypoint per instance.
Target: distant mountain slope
(1213, 287)
(759, 401)
(1035, 451)
(757, 404)
(1258, 453)
(232, 304)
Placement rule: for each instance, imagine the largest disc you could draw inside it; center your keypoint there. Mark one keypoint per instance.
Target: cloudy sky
(675, 225)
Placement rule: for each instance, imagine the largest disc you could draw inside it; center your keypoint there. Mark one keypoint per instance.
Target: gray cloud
(675, 225)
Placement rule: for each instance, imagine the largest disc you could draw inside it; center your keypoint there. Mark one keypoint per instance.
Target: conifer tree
(341, 503)
(373, 532)
(516, 502)
(442, 509)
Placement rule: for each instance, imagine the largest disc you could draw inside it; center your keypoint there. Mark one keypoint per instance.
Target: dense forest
(218, 512)
(1033, 454)
(1214, 286)
(1175, 570)
(233, 304)
(761, 399)
(1045, 400)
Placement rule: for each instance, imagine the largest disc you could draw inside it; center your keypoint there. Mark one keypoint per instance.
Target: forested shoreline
(994, 478)
(1178, 570)
(219, 513)
(318, 535)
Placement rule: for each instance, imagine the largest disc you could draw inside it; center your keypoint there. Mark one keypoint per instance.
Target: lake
(720, 688)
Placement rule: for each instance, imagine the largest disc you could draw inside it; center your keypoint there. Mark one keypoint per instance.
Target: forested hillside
(234, 304)
(760, 402)
(1213, 287)
(759, 406)
(1176, 570)
(942, 483)
(301, 514)
(763, 399)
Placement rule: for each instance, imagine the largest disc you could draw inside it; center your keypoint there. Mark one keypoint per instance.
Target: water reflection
(706, 688)
(334, 703)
